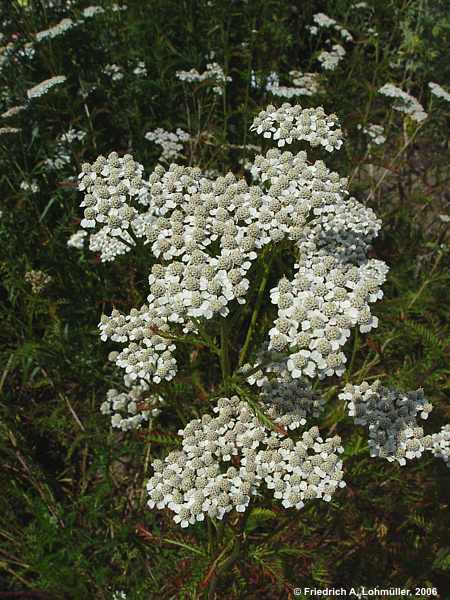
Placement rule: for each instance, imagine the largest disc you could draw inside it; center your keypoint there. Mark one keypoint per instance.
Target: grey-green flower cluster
(391, 418)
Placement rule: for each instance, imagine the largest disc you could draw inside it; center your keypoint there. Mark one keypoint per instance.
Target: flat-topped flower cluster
(210, 232)
(196, 481)
(213, 75)
(303, 84)
(171, 142)
(206, 232)
(404, 102)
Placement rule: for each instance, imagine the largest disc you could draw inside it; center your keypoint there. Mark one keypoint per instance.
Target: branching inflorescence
(206, 233)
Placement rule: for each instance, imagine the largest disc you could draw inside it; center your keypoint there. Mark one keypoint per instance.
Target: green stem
(427, 281)
(224, 353)
(259, 299)
(225, 566)
(352, 360)
(394, 160)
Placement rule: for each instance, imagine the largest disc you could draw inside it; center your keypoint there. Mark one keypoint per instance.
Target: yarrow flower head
(404, 102)
(13, 111)
(181, 214)
(9, 130)
(38, 280)
(170, 142)
(330, 59)
(115, 72)
(32, 186)
(92, 11)
(112, 186)
(55, 31)
(213, 73)
(438, 91)
(72, 135)
(375, 133)
(289, 123)
(140, 69)
(130, 409)
(42, 88)
(77, 239)
(225, 459)
(303, 84)
(323, 21)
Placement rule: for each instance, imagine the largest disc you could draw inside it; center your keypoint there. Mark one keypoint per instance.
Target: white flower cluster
(92, 11)
(14, 52)
(316, 310)
(374, 132)
(13, 111)
(309, 83)
(439, 444)
(323, 21)
(59, 161)
(44, 86)
(438, 91)
(404, 103)
(55, 31)
(9, 130)
(5, 52)
(170, 142)
(148, 356)
(391, 419)
(289, 123)
(77, 239)
(111, 186)
(38, 280)
(210, 232)
(195, 481)
(32, 186)
(130, 409)
(213, 73)
(115, 72)
(72, 135)
(303, 84)
(27, 51)
(140, 69)
(330, 59)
